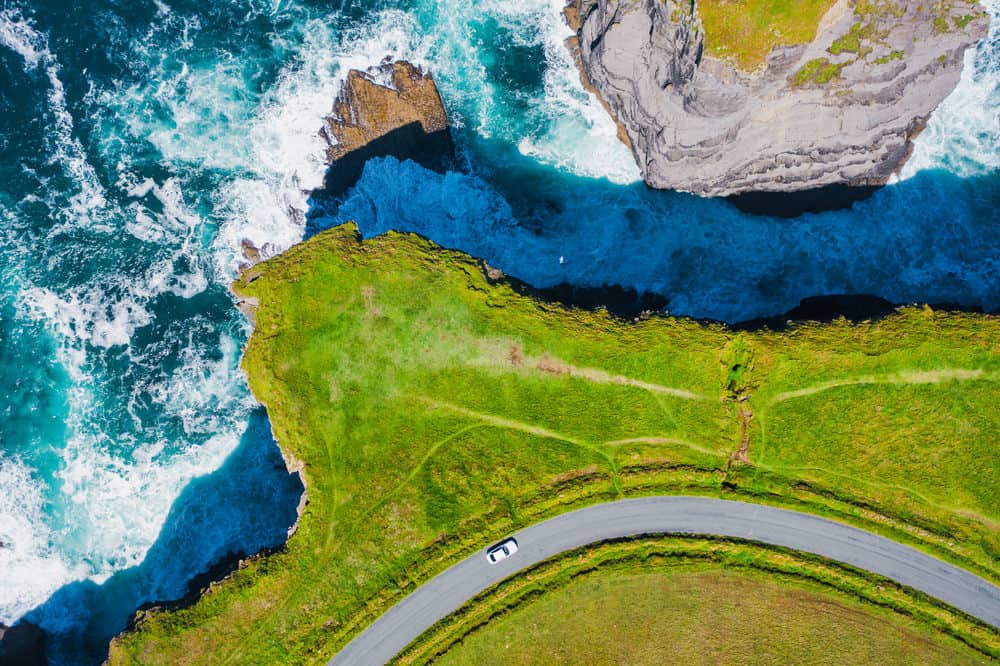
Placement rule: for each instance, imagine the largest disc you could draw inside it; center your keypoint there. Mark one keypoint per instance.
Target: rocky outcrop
(391, 109)
(841, 110)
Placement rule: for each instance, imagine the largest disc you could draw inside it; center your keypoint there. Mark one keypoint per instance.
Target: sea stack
(840, 110)
(391, 109)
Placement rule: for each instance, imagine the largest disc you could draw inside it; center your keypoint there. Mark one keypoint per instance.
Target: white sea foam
(582, 136)
(211, 402)
(107, 314)
(208, 111)
(87, 314)
(963, 135)
(565, 126)
(17, 34)
(115, 490)
(30, 569)
(87, 206)
(288, 153)
(173, 224)
(199, 388)
(109, 528)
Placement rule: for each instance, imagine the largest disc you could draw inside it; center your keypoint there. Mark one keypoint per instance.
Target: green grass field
(432, 412)
(685, 615)
(745, 31)
(902, 413)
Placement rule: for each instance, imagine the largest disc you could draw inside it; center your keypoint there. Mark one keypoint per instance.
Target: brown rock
(250, 252)
(392, 109)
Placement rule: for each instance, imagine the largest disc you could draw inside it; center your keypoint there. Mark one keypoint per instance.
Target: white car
(501, 551)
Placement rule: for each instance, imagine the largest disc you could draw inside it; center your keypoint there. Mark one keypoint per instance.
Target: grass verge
(687, 600)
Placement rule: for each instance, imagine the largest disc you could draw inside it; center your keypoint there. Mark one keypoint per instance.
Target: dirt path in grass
(745, 415)
(515, 359)
(663, 440)
(511, 424)
(914, 377)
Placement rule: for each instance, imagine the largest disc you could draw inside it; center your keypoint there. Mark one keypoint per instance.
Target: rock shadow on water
(429, 149)
(245, 507)
(931, 238)
(795, 204)
(852, 307)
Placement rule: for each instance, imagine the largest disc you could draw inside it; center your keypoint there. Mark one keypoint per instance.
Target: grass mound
(433, 412)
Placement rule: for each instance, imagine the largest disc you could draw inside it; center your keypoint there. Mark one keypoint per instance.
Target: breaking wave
(963, 135)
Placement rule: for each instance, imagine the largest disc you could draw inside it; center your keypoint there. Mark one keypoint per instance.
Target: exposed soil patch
(371, 307)
(516, 356)
(745, 416)
(914, 377)
(551, 365)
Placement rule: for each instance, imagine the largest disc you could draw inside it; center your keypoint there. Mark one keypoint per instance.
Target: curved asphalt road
(447, 592)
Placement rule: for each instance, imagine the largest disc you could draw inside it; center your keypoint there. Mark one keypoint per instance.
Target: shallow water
(141, 142)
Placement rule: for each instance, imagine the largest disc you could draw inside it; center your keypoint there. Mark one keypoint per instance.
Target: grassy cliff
(432, 411)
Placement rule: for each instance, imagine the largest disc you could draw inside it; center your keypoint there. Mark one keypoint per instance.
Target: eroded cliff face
(841, 110)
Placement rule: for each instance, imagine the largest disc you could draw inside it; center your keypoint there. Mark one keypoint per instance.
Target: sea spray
(963, 135)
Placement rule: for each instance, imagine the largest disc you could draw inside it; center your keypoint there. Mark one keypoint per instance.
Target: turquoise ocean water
(141, 142)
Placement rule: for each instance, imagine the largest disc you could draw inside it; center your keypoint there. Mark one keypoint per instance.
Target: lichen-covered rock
(391, 109)
(841, 110)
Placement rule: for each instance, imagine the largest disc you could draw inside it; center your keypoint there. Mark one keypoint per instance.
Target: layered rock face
(392, 109)
(841, 110)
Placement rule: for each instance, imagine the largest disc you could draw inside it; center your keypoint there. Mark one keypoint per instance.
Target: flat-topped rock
(391, 109)
(840, 110)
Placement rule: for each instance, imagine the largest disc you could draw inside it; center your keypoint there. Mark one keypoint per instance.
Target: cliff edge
(842, 109)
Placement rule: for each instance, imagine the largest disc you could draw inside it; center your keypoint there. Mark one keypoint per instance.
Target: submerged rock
(392, 109)
(841, 110)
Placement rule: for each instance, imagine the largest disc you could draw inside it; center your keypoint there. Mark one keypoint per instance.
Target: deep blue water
(141, 142)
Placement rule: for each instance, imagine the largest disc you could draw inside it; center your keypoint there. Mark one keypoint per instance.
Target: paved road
(447, 592)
